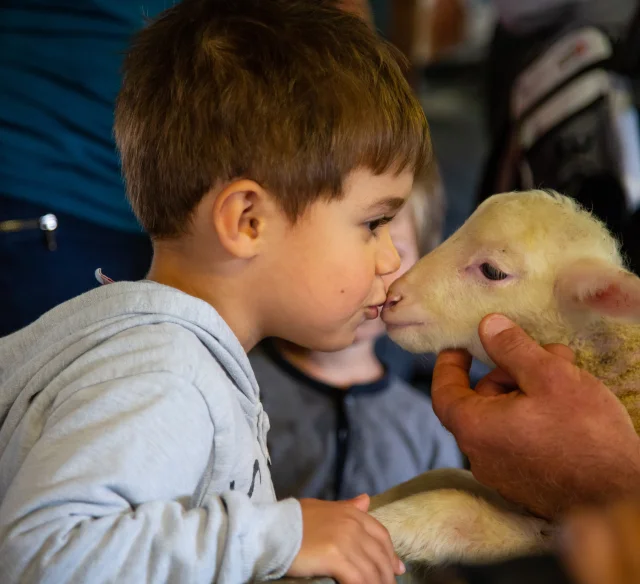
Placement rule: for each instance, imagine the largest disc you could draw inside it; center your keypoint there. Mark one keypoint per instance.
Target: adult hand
(602, 546)
(539, 430)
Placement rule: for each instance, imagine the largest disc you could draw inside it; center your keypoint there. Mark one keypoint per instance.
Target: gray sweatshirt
(133, 447)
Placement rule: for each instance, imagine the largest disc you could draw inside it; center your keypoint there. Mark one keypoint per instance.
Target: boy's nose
(389, 259)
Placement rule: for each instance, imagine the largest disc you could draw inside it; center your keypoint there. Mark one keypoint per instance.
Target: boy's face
(328, 272)
(404, 237)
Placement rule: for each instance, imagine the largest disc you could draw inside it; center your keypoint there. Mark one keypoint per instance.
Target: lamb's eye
(492, 273)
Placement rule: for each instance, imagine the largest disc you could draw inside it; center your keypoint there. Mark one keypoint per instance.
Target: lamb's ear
(593, 287)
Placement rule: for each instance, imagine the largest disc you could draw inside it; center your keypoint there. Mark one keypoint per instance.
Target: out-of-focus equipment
(571, 119)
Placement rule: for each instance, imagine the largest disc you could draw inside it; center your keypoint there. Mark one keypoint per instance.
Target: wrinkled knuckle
(555, 374)
(514, 344)
(463, 423)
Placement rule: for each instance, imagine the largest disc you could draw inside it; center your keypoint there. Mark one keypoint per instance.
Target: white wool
(534, 237)
(566, 283)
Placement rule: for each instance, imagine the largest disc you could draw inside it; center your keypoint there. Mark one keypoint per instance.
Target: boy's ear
(240, 212)
(593, 287)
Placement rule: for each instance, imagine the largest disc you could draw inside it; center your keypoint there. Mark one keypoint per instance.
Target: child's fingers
(345, 572)
(379, 533)
(361, 502)
(376, 555)
(365, 567)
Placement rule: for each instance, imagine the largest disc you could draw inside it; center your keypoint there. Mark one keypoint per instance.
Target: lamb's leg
(442, 526)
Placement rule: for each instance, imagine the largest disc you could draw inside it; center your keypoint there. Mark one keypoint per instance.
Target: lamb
(553, 268)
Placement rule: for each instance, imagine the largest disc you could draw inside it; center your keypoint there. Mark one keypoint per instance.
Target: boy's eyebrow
(388, 205)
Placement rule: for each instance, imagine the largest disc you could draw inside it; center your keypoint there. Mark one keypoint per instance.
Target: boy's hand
(342, 541)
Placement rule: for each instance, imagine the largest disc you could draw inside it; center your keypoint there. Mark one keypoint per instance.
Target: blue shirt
(59, 76)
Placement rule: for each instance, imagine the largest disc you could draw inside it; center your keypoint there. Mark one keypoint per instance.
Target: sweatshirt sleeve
(104, 496)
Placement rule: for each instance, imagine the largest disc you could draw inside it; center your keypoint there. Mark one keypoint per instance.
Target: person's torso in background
(60, 67)
(330, 443)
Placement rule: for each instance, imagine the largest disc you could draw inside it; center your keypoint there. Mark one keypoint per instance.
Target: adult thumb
(513, 350)
(361, 502)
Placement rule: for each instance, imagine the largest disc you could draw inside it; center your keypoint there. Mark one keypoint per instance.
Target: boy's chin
(369, 330)
(327, 343)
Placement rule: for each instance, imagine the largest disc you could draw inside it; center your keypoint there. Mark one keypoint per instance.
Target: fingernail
(495, 324)
(401, 568)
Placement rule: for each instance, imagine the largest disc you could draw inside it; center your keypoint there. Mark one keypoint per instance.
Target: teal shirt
(59, 76)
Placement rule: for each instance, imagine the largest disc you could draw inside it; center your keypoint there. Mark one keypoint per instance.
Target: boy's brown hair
(293, 94)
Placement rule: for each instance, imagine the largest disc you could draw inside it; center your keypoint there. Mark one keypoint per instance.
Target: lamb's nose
(392, 300)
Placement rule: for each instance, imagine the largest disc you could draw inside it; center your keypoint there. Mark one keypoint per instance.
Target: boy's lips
(372, 312)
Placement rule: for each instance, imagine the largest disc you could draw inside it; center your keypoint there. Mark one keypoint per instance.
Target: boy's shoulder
(134, 328)
(163, 355)
(153, 348)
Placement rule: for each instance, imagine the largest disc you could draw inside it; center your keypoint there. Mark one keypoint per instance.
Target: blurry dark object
(528, 570)
(424, 31)
(359, 7)
(562, 110)
(34, 278)
(631, 240)
(60, 70)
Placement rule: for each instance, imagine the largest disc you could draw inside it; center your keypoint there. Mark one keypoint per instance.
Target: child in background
(341, 422)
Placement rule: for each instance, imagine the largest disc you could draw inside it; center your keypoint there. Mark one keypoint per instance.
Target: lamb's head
(536, 257)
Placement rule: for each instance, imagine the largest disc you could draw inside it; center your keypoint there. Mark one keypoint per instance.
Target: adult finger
(499, 382)
(517, 353)
(451, 385)
(624, 522)
(560, 350)
(496, 382)
(590, 550)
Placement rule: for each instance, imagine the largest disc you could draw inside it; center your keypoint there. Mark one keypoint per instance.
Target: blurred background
(533, 93)
(519, 94)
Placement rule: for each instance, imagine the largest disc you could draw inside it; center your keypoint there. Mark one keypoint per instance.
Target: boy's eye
(373, 225)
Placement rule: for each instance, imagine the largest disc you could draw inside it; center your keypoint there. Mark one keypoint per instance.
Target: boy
(263, 143)
(342, 423)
